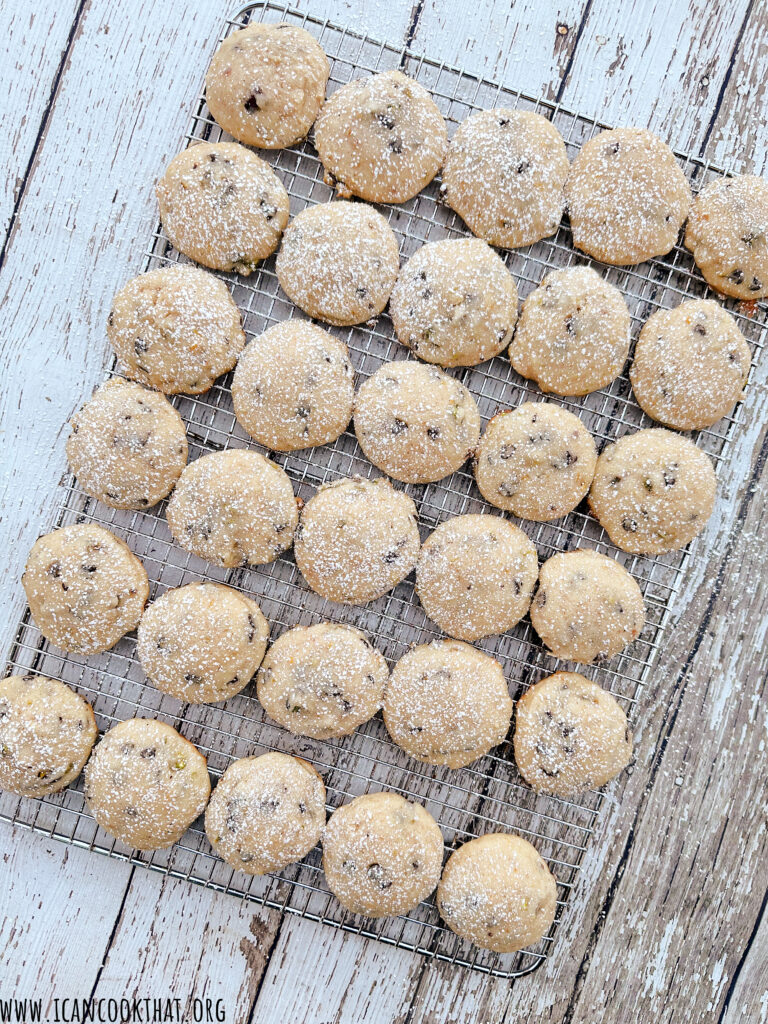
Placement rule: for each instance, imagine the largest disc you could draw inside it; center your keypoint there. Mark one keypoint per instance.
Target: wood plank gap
(115, 926)
(726, 78)
(418, 7)
(267, 958)
(572, 55)
(743, 959)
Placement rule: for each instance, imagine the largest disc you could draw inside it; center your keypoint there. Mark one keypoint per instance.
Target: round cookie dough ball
(338, 262)
(381, 138)
(294, 387)
(222, 206)
(145, 784)
(322, 681)
(504, 174)
(46, 735)
(727, 232)
(202, 643)
(475, 576)
(266, 812)
(266, 84)
(691, 364)
(357, 539)
(653, 491)
(447, 703)
(382, 854)
(570, 735)
(85, 587)
(415, 422)
(573, 333)
(536, 461)
(454, 303)
(233, 508)
(175, 329)
(627, 197)
(128, 445)
(587, 608)
(497, 892)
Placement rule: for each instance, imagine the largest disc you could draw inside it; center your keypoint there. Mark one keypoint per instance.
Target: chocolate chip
(378, 876)
(269, 804)
(140, 346)
(755, 285)
(54, 569)
(737, 276)
(506, 490)
(669, 478)
(629, 524)
(396, 144)
(503, 122)
(433, 433)
(191, 677)
(699, 329)
(523, 166)
(398, 426)
(612, 150)
(385, 120)
(148, 752)
(89, 568)
(507, 451)
(361, 292)
(252, 104)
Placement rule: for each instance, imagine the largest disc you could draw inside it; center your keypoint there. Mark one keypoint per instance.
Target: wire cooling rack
(489, 795)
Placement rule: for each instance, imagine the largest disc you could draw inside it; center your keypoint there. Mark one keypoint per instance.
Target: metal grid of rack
(489, 795)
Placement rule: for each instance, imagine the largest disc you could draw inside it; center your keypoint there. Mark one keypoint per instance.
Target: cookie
(145, 784)
(175, 329)
(338, 262)
(454, 303)
(447, 703)
(382, 854)
(46, 735)
(266, 84)
(415, 422)
(536, 461)
(691, 364)
(85, 587)
(498, 893)
(294, 387)
(266, 812)
(128, 446)
(627, 197)
(357, 539)
(573, 333)
(322, 681)
(233, 508)
(475, 576)
(381, 138)
(202, 643)
(570, 735)
(727, 232)
(653, 491)
(222, 206)
(504, 174)
(587, 607)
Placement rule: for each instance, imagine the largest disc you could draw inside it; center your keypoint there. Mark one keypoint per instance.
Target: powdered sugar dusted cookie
(573, 333)
(338, 262)
(627, 196)
(381, 138)
(504, 174)
(222, 206)
(454, 303)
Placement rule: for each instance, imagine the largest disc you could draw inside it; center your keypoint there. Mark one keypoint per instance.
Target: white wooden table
(669, 922)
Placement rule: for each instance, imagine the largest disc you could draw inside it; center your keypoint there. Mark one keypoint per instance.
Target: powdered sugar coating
(128, 445)
(497, 892)
(266, 812)
(653, 491)
(202, 643)
(338, 262)
(454, 303)
(382, 854)
(573, 333)
(587, 607)
(627, 197)
(727, 232)
(222, 206)
(294, 387)
(47, 731)
(691, 364)
(322, 681)
(415, 422)
(266, 84)
(233, 508)
(447, 703)
(175, 329)
(86, 589)
(357, 539)
(504, 174)
(536, 461)
(475, 576)
(570, 735)
(381, 138)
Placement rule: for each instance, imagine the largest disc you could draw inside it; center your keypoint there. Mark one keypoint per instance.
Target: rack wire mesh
(489, 795)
